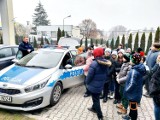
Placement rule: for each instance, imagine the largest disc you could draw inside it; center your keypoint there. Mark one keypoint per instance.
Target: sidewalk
(73, 106)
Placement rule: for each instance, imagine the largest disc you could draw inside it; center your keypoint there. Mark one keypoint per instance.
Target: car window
(73, 52)
(25, 59)
(46, 59)
(66, 60)
(83, 54)
(77, 60)
(5, 52)
(15, 49)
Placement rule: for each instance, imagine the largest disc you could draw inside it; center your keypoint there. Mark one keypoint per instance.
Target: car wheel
(56, 94)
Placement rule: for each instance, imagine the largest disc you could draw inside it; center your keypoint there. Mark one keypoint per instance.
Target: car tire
(56, 94)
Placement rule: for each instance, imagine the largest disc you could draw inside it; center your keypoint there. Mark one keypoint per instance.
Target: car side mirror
(19, 54)
(68, 66)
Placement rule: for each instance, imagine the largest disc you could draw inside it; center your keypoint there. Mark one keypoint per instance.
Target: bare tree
(100, 34)
(88, 28)
(19, 29)
(117, 31)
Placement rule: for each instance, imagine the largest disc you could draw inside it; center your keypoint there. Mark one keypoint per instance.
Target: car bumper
(29, 101)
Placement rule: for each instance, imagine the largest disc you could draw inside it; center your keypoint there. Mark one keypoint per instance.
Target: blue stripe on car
(72, 73)
(51, 84)
(68, 74)
(19, 75)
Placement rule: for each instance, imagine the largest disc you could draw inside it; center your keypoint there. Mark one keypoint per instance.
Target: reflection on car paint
(15, 75)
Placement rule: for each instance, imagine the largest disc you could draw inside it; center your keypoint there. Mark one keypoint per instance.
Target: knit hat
(127, 57)
(142, 53)
(98, 52)
(139, 50)
(128, 50)
(108, 50)
(121, 51)
(80, 50)
(136, 58)
(114, 52)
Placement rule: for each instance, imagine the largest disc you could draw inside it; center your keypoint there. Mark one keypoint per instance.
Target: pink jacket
(88, 63)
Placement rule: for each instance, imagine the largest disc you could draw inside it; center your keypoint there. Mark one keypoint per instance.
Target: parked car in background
(38, 79)
(69, 41)
(7, 54)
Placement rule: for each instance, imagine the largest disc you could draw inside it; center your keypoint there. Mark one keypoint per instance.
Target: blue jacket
(151, 58)
(134, 83)
(24, 47)
(97, 75)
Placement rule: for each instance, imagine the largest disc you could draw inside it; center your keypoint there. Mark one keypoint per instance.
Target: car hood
(24, 76)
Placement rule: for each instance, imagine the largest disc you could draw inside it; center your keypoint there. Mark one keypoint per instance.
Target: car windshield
(43, 59)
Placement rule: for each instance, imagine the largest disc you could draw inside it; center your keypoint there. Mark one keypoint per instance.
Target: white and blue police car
(38, 79)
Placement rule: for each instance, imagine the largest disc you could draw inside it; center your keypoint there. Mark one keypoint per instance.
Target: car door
(6, 57)
(74, 75)
(14, 50)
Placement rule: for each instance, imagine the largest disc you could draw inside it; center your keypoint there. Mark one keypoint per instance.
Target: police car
(38, 79)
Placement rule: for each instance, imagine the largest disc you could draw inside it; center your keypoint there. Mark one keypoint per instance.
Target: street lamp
(28, 29)
(28, 25)
(65, 18)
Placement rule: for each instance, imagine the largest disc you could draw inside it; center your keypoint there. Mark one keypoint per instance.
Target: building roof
(55, 28)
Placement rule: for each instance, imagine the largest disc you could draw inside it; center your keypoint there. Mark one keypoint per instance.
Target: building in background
(51, 31)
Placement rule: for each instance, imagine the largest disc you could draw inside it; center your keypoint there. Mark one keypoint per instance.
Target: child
(146, 77)
(133, 86)
(112, 83)
(107, 56)
(96, 78)
(121, 79)
(118, 65)
(86, 68)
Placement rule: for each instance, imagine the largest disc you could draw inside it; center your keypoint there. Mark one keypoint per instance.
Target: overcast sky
(133, 14)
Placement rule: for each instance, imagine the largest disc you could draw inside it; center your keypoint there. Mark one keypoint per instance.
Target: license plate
(5, 98)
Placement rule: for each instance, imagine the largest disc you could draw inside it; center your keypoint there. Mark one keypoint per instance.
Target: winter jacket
(122, 76)
(97, 75)
(111, 69)
(154, 88)
(118, 66)
(154, 69)
(114, 72)
(88, 63)
(147, 76)
(151, 58)
(134, 83)
(24, 47)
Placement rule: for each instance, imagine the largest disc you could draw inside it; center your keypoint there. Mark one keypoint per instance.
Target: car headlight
(37, 86)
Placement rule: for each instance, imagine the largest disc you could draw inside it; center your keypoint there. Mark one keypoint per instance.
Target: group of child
(125, 76)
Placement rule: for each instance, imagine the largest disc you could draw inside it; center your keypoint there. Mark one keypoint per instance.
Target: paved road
(73, 106)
